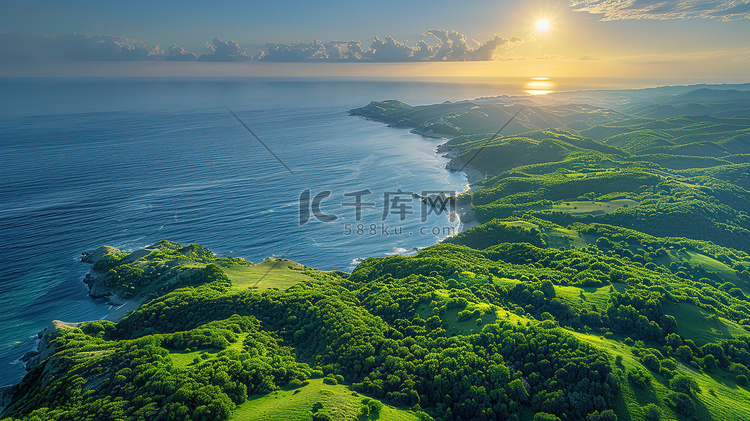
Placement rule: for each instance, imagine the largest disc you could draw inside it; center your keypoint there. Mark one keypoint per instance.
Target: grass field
(581, 207)
(697, 324)
(523, 224)
(488, 313)
(589, 296)
(563, 237)
(340, 402)
(183, 359)
(272, 273)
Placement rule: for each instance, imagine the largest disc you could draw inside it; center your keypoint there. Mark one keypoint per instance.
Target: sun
(542, 25)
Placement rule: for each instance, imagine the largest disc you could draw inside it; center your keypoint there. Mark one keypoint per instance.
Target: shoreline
(121, 307)
(473, 177)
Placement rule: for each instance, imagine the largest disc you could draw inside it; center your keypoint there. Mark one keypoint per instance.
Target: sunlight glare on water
(539, 86)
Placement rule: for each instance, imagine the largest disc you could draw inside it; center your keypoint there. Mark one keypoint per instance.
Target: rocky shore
(97, 289)
(96, 280)
(473, 176)
(44, 350)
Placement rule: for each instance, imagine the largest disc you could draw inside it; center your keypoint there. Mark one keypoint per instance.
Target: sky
(679, 39)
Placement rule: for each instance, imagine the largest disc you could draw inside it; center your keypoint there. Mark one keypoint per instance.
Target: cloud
(312, 51)
(224, 51)
(389, 50)
(451, 46)
(445, 46)
(726, 10)
(177, 53)
(85, 47)
(422, 51)
(486, 51)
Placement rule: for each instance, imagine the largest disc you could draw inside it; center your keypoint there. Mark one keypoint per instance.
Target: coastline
(121, 307)
(372, 112)
(95, 281)
(454, 164)
(119, 312)
(473, 177)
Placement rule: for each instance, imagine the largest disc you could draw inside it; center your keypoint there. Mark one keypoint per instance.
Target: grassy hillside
(317, 398)
(609, 279)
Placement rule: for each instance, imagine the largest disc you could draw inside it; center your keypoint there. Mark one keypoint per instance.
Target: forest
(608, 279)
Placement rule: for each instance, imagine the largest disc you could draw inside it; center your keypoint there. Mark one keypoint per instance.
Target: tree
(543, 416)
(651, 362)
(639, 377)
(608, 415)
(652, 412)
(682, 403)
(684, 353)
(684, 384)
(674, 340)
(517, 391)
(710, 363)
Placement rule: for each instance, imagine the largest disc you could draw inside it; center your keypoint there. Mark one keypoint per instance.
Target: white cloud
(389, 50)
(664, 9)
(451, 46)
(177, 53)
(312, 51)
(446, 46)
(224, 51)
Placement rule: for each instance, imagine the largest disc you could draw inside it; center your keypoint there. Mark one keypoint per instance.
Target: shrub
(608, 415)
(639, 378)
(668, 364)
(710, 363)
(682, 403)
(684, 384)
(684, 353)
(652, 412)
(543, 416)
(297, 383)
(373, 406)
(651, 362)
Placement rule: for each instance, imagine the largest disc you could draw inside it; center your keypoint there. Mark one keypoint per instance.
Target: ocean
(129, 162)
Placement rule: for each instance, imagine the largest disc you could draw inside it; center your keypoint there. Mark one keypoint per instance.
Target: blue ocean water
(128, 162)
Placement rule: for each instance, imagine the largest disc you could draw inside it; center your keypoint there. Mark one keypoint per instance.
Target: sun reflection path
(539, 86)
